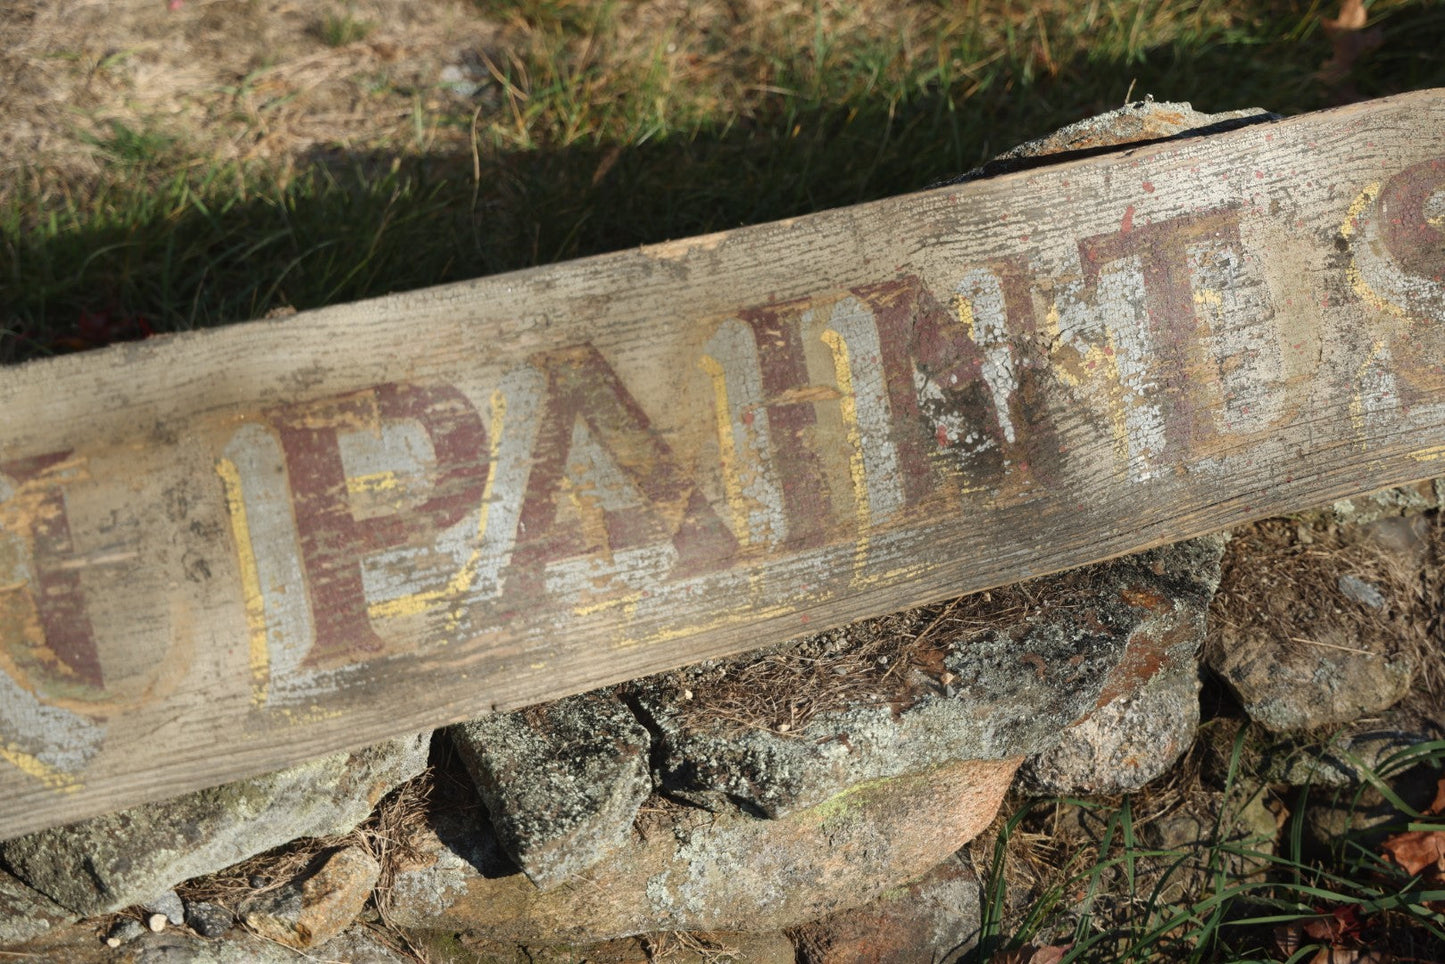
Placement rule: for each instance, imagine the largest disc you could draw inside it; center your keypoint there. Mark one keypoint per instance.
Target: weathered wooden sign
(227, 551)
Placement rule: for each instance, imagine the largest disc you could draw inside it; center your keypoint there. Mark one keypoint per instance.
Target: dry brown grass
(882, 661)
(704, 948)
(254, 80)
(1282, 582)
(390, 835)
(277, 81)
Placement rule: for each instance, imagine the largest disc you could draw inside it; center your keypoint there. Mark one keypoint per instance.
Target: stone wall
(808, 800)
(754, 796)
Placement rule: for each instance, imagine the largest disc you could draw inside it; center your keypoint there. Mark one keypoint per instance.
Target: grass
(1237, 893)
(340, 29)
(602, 126)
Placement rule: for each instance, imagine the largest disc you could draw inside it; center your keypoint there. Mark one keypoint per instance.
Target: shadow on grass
(153, 253)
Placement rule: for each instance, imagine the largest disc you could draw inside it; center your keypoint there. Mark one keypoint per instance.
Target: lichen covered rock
(1008, 689)
(694, 870)
(356, 945)
(25, 914)
(103, 864)
(1128, 741)
(1302, 684)
(320, 904)
(936, 918)
(562, 782)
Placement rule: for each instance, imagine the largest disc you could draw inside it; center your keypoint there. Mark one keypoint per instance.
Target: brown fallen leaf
(1417, 851)
(1350, 40)
(1438, 806)
(1347, 955)
(1420, 850)
(1336, 925)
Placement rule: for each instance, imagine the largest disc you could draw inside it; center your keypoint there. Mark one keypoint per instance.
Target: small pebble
(170, 905)
(124, 931)
(1361, 592)
(257, 881)
(156, 922)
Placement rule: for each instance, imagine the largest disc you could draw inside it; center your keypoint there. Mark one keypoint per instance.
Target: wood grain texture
(228, 551)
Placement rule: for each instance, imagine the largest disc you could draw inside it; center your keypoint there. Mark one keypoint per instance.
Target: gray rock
(1347, 758)
(318, 905)
(1012, 690)
(691, 870)
(672, 948)
(24, 914)
(1364, 816)
(937, 918)
(1402, 500)
(168, 904)
(1129, 741)
(1365, 593)
(357, 945)
(103, 864)
(1405, 541)
(124, 931)
(1339, 676)
(209, 920)
(561, 781)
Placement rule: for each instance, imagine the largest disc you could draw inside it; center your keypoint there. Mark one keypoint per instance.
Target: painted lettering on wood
(258, 544)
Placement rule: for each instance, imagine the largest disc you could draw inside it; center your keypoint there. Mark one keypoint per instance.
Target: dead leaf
(1352, 17)
(1346, 955)
(1350, 39)
(1335, 925)
(1288, 937)
(1417, 850)
(1438, 806)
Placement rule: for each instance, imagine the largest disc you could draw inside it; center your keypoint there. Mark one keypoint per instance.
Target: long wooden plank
(227, 551)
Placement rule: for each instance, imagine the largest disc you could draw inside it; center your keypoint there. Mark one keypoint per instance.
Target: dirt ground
(237, 79)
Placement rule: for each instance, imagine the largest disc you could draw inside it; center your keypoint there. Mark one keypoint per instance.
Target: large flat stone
(935, 919)
(109, 862)
(562, 782)
(697, 871)
(1012, 690)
